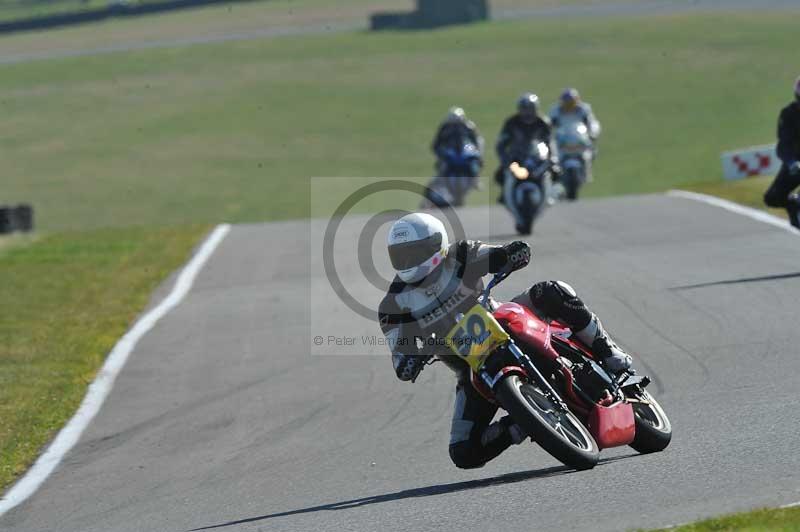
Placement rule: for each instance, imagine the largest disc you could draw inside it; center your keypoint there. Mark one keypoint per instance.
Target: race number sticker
(476, 336)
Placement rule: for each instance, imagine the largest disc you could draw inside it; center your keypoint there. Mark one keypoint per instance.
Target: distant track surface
(654, 7)
(227, 417)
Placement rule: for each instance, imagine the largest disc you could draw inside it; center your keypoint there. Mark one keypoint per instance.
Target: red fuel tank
(526, 328)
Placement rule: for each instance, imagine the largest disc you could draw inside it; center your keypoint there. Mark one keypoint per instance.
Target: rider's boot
(613, 357)
(505, 426)
(514, 431)
(793, 208)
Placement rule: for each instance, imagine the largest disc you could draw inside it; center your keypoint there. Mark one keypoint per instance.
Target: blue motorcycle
(458, 174)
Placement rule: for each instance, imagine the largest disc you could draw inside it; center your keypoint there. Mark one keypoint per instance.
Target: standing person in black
(780, 192)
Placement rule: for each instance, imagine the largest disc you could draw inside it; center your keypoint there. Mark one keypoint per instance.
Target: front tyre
(572, 182)
(653, 429)
(557, 431)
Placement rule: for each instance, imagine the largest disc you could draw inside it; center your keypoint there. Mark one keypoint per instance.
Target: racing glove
(518, 254)
(408, 367)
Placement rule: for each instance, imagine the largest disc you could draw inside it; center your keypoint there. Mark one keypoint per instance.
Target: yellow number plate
(475, 336)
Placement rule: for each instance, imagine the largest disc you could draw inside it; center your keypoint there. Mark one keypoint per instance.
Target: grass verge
(66, 299)
(748, 192)
(764, 520)
(233, 130)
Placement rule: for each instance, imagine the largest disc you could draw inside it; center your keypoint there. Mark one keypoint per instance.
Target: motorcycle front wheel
(572, 182)
(556, 430)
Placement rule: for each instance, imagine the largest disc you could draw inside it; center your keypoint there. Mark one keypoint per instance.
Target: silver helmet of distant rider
(797, 90)
(418, 244)
(528, 107)
(456, 115)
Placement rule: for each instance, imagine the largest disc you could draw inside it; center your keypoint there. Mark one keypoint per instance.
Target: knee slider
(464, 456)
(566, 290)
(549, 296)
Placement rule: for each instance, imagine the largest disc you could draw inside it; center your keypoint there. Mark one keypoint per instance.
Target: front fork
(531, 371)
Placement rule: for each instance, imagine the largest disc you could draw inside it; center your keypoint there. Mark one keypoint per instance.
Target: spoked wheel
(555, 429)
(653, 429)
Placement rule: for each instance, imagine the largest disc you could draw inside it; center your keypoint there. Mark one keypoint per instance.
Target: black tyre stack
(16, 218)
(432, 14)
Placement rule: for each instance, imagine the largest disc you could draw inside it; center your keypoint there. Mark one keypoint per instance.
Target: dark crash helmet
(528, 107)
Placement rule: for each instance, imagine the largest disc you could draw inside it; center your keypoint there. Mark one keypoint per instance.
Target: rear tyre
(653, 429)
(557, 432)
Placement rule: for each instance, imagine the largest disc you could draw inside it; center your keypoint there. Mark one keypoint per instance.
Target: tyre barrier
(18, 218)
(432, 14)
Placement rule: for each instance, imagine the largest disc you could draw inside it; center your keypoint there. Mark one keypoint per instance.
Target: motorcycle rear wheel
(653, 429)
(558, 432)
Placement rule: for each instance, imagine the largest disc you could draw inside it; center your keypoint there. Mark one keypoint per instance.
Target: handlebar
(498, 278)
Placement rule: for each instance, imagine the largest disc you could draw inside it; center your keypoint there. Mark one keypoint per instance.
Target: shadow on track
(427, 491)
(739, 281)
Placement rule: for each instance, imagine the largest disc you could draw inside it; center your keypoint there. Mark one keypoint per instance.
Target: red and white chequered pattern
(753, 165)
(749, 162)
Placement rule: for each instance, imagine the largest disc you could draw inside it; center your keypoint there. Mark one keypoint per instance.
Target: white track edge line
(104, 381)
(750, 212)
(754, 214)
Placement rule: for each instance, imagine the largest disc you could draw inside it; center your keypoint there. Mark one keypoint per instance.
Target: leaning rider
(436, 281)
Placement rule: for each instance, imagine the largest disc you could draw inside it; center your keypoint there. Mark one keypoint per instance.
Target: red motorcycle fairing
(610, 425)
(534, 335)
(535, 332)
(485, 391)
(527, 328)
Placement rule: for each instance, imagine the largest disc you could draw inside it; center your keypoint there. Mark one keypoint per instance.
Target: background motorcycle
(575, 156)
(527, 186)
(552, 386)
(459, 170)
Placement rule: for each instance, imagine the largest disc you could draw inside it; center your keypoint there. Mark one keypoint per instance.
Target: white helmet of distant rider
(417, 245)
(456, 115)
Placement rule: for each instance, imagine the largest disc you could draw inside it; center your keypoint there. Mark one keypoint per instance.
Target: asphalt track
(228, 417)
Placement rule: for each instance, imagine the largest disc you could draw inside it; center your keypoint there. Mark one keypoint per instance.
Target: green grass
(66, 299)
(232, 131)
(765, 520)
(748, 192)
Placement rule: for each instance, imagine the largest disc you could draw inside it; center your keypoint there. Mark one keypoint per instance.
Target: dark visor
(410, 254)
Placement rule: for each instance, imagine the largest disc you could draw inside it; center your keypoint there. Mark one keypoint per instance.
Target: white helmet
(418, 244)
(456, 115)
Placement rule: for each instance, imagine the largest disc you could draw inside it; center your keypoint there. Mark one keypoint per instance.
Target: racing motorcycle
(575, 156)
(459, 174)
(553, 387)
(527, 187)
